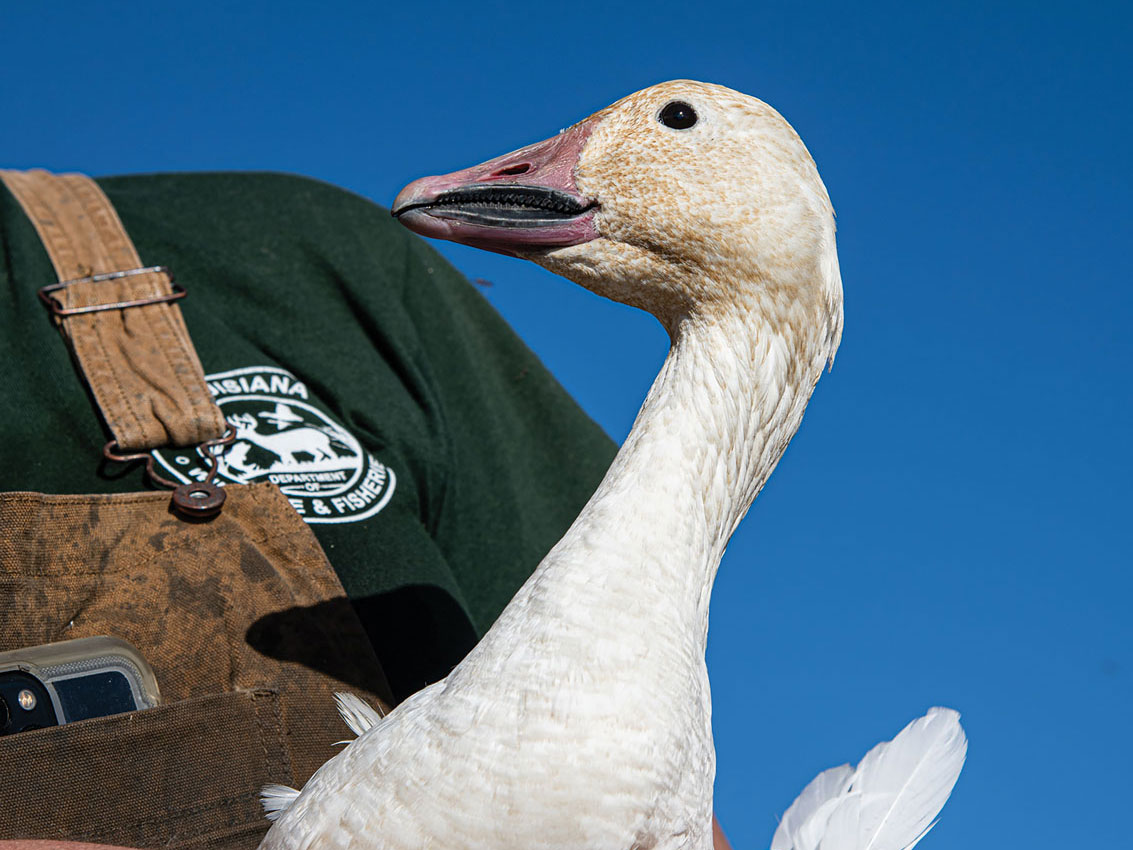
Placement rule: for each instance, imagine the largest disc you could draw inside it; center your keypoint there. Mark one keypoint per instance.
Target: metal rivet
(199, 500)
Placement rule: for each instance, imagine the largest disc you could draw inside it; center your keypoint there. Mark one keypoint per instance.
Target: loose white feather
(358, 714)
(276, 799)
(807, 816)
(891, 799)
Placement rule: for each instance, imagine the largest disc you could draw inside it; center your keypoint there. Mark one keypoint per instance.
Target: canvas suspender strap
(127, 334)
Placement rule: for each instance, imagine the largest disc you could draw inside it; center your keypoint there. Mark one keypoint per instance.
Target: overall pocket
(179, 775)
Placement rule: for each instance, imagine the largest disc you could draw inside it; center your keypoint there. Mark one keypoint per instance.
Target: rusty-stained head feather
(729, 212)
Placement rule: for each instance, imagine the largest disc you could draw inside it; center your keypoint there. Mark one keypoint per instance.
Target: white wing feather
(890, 800)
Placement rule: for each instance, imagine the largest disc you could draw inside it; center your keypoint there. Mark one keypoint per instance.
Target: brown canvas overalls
(185, 591)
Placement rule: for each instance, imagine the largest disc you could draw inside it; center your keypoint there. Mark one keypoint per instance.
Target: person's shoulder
(267, 191)
(242, 182)
(279, 215)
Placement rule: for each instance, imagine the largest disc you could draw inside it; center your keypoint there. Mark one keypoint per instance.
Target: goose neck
(726, 402)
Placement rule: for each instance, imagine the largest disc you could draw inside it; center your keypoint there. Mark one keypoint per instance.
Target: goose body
(582, 719)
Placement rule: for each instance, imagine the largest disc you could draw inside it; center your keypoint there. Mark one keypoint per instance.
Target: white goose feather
(358, 714)
(582, 719)
(890, 801)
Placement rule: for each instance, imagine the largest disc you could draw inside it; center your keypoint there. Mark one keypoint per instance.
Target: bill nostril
(513, 170)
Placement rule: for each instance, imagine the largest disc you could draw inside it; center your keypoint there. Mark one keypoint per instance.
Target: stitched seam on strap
(98, 344)
(161, 318)
(109, 230)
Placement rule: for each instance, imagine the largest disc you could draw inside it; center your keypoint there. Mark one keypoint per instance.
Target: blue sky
(951, 525)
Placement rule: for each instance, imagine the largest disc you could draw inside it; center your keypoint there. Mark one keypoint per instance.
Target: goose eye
(678, 115)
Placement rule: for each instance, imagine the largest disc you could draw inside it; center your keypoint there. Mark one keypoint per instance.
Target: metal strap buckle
(56, 307)
(198, 499)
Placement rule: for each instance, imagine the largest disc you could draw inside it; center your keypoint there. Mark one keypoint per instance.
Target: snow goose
(582, 719)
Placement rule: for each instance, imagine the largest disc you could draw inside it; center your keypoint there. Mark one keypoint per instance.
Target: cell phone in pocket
(59, 683)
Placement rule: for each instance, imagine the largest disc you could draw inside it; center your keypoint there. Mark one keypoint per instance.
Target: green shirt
(435, 458)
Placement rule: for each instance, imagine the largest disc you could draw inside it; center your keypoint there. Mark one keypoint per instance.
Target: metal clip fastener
(57, 308)
(197, 499)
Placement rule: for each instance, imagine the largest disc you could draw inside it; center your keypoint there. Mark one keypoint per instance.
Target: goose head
(684, 199)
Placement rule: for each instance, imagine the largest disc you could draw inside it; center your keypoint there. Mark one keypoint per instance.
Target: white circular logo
(282, 437)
